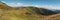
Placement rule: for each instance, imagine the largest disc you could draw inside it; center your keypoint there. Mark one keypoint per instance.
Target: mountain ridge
(23, 13)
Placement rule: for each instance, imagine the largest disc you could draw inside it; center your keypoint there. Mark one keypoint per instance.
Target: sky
(49, 4)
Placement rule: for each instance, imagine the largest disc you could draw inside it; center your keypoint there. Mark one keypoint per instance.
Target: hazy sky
(50, 4)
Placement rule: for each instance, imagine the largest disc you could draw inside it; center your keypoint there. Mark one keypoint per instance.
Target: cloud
(40, 6)
(49, 7)
(15, 4)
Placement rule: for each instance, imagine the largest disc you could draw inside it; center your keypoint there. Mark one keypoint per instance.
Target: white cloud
(36, 5)
(15, 4)
(48, 7)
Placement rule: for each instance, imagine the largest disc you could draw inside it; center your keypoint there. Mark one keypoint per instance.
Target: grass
(21, 15)
(17, 15)
(54, 17)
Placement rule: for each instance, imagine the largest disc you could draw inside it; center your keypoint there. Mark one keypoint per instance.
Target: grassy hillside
(4, 6)
(23, 13)
(52, 17)
(8, 13)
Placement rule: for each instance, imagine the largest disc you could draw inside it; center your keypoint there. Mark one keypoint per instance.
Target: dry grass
(20, 15)
(17, 15)
(52, 17)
